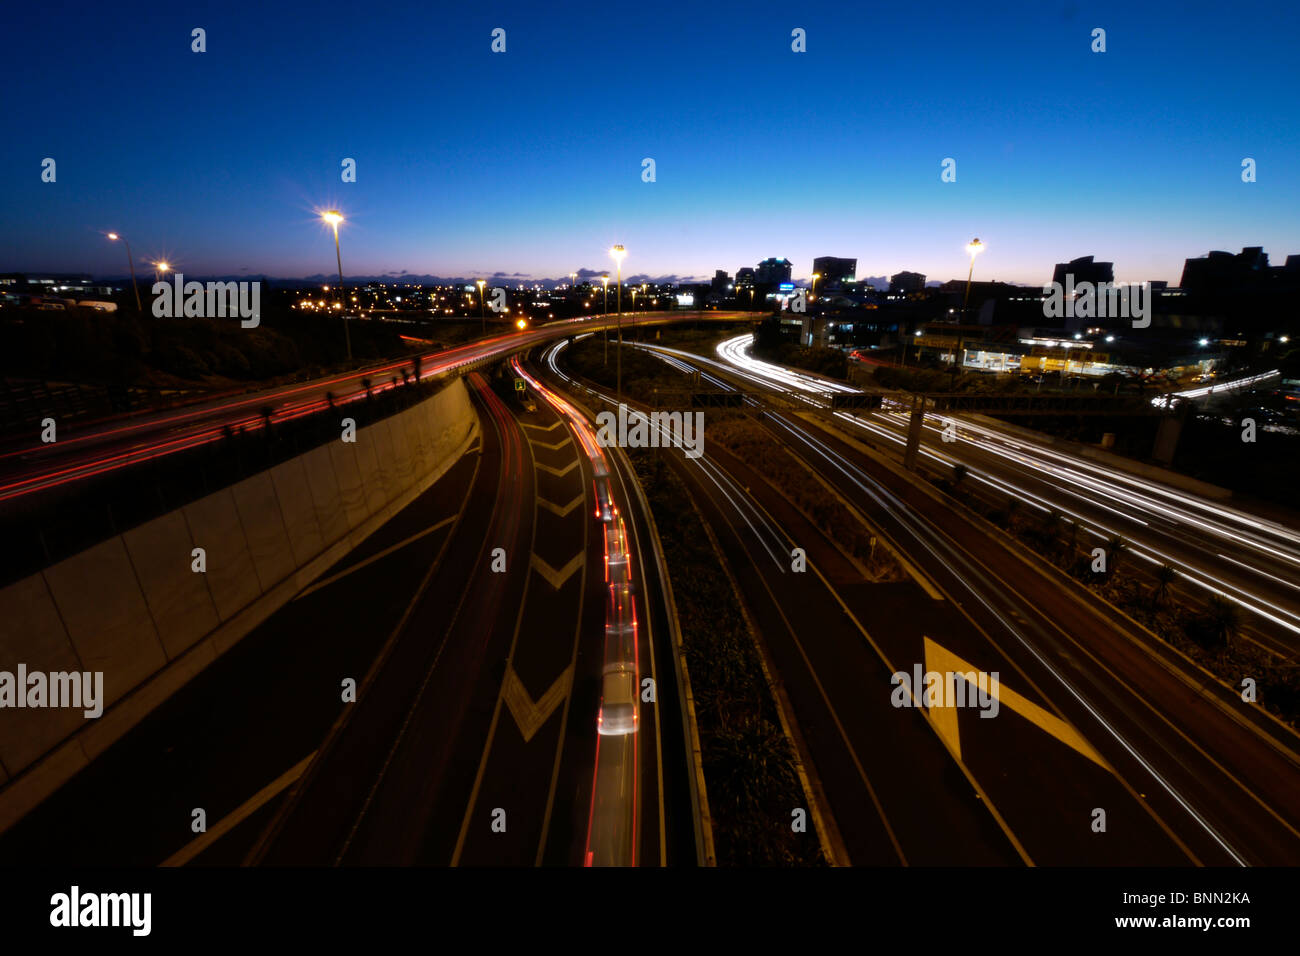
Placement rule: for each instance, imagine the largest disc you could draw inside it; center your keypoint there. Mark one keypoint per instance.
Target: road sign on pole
(520, 385)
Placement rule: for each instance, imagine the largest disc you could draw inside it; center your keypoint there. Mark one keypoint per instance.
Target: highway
(1215, 547)
(85, 451)
(1097, 722)
(479, 625)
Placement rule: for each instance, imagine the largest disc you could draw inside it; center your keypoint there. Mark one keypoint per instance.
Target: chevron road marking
(561, 510)
(556, 578)
(528, 715)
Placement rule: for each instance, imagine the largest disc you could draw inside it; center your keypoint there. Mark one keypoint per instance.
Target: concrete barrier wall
(133, 607)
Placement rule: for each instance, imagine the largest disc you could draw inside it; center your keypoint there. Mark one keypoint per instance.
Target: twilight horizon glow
(529, 162)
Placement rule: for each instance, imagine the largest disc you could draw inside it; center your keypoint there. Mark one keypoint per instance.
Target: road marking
(939, 659)
(375, 557)
(556, 578)
(557, 472)
(552, 447)
(561, 510)
(530, 715)
(544, 428)
(240, 813)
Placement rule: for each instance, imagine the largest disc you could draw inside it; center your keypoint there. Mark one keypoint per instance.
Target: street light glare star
(332, 216)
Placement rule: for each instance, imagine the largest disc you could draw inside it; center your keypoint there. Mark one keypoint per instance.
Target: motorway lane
(1227, 792)
(1217, 546)
(476, 744)
(636, 811)
(253, 714)
(1015, 629)
(872, 779)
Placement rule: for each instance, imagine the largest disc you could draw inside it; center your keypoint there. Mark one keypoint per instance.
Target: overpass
(106, 446)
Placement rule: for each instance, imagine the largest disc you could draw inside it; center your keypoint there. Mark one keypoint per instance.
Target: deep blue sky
(472, 163)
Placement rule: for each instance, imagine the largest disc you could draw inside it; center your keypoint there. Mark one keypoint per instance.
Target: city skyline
(1060, 152)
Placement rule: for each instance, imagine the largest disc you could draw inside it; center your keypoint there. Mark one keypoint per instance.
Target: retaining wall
(133, 608)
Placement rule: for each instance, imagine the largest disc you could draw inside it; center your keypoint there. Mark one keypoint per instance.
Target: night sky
(473, 163)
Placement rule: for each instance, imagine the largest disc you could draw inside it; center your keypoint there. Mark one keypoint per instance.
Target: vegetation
(748, 763)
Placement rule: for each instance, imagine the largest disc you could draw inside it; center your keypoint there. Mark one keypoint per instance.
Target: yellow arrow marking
(942, 661)
(556, 578)
(528, 715)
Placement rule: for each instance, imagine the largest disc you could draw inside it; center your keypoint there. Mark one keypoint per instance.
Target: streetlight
(573, 280)
(618, 252)
(160, 270)
(334, 217)
(813, 293)
(973, 248)
(131, 264)
(481, 312)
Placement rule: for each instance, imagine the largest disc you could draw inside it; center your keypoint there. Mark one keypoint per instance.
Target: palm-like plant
(1165, 576)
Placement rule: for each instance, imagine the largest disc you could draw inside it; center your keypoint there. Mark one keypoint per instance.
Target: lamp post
(160, 271)
(604, 281)
(618, 252)
(131, 265)
(334, 217)
(974, 248)
(813, 293)
(482, 313)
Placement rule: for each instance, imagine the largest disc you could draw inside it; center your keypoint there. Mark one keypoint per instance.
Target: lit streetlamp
(334, 217)
(813, 293)
(160, 271)
(131, 264)
(481, 312)
(973, 248)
